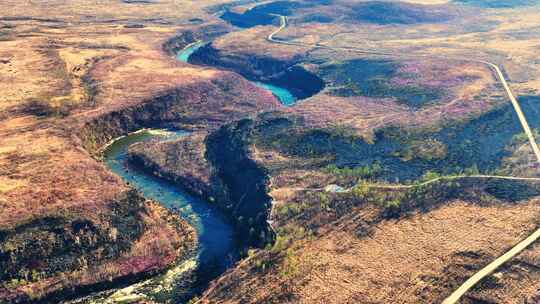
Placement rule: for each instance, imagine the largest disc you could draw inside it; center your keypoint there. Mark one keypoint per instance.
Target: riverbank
(282, 94)
(285, 78)
(81, 228)
(214, 234)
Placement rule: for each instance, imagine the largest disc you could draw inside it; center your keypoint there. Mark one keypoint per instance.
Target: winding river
(216, 249)
(282, 94)
(184, 54)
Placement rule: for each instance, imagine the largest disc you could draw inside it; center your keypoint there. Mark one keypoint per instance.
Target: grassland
(62, 78)
(452, 227)
(358, 101)
(100, 69)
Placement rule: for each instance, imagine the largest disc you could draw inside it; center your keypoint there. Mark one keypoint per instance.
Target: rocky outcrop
(245, 182)
(288, 74)
(219, 168)
(177, 43)
(104, 242)
(68, 242)
(201, 105)
(181, 161)
(58, 257)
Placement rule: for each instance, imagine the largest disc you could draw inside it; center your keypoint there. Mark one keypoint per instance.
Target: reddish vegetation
(326, 240)
(465, 88)
(88, 196)
(71, 84)
(49, 182)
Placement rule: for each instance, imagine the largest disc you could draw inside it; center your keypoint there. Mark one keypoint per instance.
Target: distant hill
(499, 3)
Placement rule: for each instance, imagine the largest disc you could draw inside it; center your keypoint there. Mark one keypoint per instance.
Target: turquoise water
(215, 234)
(184, 54)
(282, 94)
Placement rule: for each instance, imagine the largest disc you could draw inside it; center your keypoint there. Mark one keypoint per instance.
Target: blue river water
(215, 234)
(282, 94)
(217, 248)
(188, 51)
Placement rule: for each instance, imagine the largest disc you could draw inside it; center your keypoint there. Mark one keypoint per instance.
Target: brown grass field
(76, 74)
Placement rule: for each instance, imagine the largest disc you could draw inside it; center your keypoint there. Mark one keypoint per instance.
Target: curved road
(487, 270)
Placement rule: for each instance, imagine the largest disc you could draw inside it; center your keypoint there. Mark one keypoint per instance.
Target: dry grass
(76, 68)
(417, 259)
(519, 280)
(253, 41)
(84, 11)
(56, 49)
(401, 260)
(127, 67)
(464, 99)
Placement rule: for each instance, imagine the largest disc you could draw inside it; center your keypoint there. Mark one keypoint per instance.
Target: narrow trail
(491, 267)
(431, 181)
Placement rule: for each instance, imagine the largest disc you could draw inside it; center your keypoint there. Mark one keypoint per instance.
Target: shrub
(43, 108)
(368, 171)
(289, 210)
(429, 149)
(429, 175)
(473, 170)
(291, 264)
(361, 190)
(194, 300)
(281, 243)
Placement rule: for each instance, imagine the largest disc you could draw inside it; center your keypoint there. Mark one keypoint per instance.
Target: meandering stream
(282, 94)
(216, 249)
